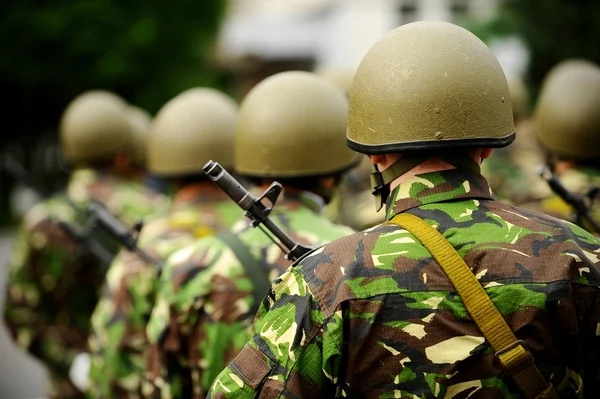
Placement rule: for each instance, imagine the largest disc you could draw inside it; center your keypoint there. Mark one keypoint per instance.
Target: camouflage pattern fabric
(118, 340)
(53, 284)
(204, 308)
(578, 182)
(512, 172)
(372, 315)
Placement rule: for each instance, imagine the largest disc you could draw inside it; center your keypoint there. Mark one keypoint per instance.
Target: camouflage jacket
(578, 182)
(54, 284)
(373, 315)
(118, 339)
(205, 306)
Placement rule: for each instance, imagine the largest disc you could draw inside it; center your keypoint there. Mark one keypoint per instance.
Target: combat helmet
(427, 86)
(189, 130)
(94, 127)
(292, 124)
(567, 114)
(139, 120)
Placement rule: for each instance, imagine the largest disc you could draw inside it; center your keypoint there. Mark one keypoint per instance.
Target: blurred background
(148, 51)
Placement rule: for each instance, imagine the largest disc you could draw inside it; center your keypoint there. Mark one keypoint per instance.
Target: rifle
(256, 210)
(128, 237)
(81, 235)
(578, 204)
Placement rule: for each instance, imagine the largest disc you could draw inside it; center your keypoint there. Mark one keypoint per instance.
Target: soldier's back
(397, 322)
(209, 296)
(118, 340)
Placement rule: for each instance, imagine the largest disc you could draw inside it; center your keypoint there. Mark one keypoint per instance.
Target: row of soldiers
(380, 312)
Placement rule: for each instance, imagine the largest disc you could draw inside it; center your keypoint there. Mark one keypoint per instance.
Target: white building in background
(331, 33)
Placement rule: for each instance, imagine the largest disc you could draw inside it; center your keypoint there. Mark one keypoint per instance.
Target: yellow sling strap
(511, 352)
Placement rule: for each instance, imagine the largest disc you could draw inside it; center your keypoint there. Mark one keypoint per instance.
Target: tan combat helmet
(292, 124)
(567, 114)
(339, 77)
(94, 127)
(429, 85)
(140, 125)
(191, 129)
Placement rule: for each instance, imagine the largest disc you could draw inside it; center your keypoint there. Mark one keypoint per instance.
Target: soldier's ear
(485, 153)
(377, 159)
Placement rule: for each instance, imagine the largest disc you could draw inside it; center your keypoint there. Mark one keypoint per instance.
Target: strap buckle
(515, 363)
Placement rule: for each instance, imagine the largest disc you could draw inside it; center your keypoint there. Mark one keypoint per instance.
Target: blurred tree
(147, 51)
(554, 30)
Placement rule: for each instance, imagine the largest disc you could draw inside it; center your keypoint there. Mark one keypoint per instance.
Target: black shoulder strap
(255, 270)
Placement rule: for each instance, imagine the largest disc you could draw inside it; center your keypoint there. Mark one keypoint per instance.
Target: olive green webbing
(511, 352)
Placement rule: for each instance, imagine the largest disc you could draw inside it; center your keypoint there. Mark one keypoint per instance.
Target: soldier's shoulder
(348, 259)
(56, 207)
(538, 220)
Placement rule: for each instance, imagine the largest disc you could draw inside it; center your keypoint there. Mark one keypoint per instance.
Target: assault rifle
(582, 210)
(128, 237)
(82, 235)
(256, 210)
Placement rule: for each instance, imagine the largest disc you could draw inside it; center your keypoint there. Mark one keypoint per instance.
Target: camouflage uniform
(373, 314)
(54, 285)
(205, 304)
(118, 343)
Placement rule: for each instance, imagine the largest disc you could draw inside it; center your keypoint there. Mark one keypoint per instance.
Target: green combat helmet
(292, 124)
(94, 127)
(140, 125)
(567, 115)
(450, 93)
(190, 129)
(340, 77)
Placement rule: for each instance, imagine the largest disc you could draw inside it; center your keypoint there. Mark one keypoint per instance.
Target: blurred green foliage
(146, 50)
(554, 30)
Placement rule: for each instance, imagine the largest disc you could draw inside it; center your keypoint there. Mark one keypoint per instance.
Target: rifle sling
(256, 271)
(512, 353)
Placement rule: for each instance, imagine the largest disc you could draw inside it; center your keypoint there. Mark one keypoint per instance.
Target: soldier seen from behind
(567, 124)
(291, 128)
(55, 278)
(456, 295)
(189, 130)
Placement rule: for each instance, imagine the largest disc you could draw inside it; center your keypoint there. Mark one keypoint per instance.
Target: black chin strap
(380, 180)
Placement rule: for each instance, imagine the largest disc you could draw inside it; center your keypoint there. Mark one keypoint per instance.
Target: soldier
(290, 129)
(567, 124)
(188, 131)
(55, 280)
(402, 310)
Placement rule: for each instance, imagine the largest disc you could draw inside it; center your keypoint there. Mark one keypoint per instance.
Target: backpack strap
(256, 271)
(509, 351)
